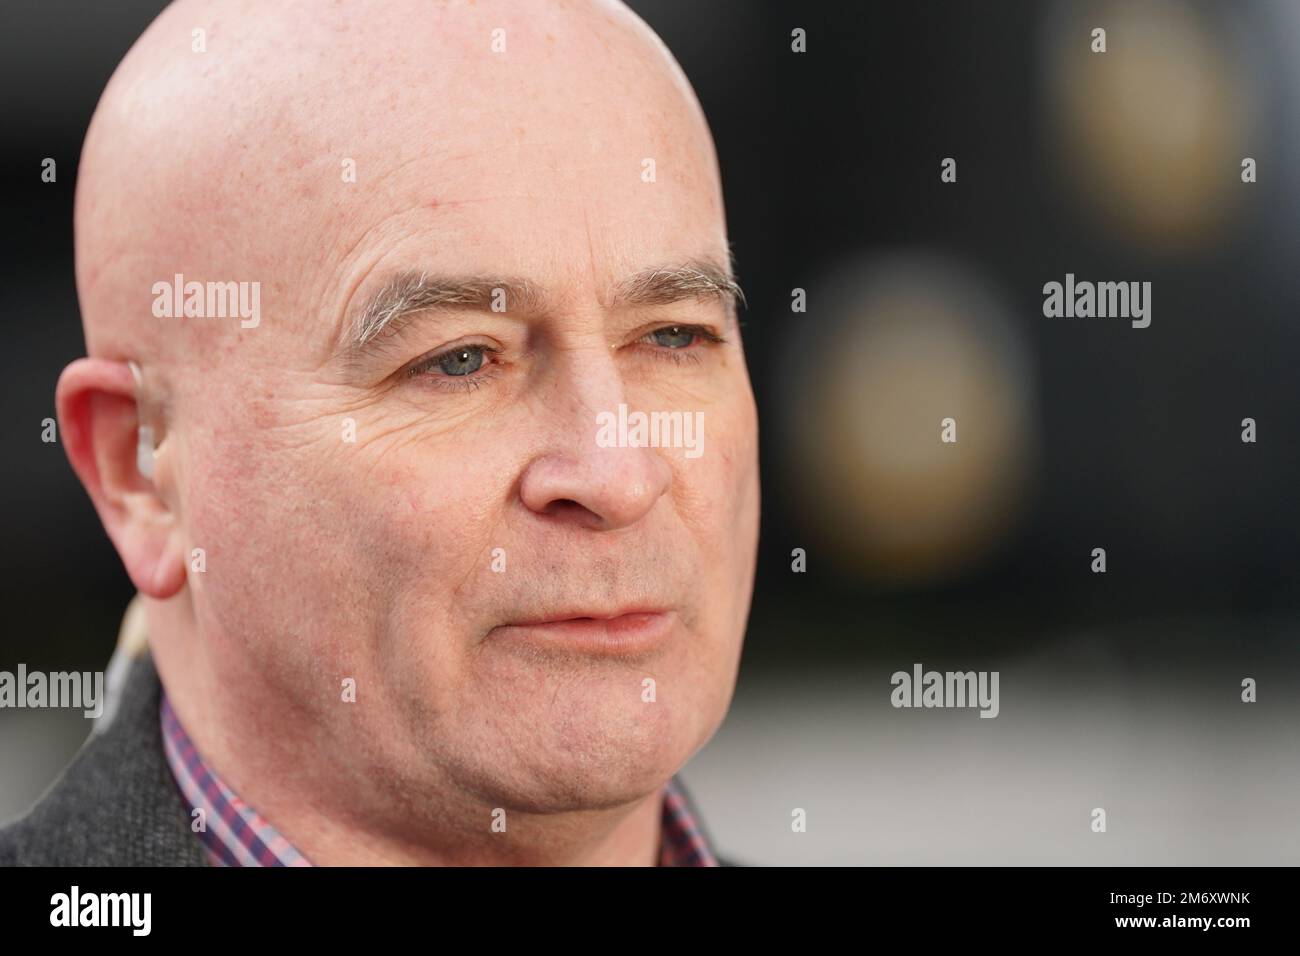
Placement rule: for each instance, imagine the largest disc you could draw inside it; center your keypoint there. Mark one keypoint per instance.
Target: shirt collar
(234, 834)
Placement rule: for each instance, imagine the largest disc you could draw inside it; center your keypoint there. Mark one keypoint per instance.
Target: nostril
(566, 509)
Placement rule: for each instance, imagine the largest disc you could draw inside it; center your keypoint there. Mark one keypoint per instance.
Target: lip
(625, 633)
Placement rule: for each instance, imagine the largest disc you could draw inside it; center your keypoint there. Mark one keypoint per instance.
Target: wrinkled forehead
(568, 191)
(569, 219)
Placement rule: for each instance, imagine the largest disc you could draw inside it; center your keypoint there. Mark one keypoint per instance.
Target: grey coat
(117, 803)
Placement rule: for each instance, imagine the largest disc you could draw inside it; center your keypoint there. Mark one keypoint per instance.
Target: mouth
(623, 633)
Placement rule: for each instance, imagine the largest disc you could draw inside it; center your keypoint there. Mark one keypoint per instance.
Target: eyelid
(442, 351)
(706, 338)
(705, 332)
(420, 369)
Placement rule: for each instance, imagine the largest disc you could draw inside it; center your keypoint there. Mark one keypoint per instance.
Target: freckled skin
(372, 559)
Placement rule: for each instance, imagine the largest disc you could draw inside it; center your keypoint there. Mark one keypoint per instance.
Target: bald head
(291, 143)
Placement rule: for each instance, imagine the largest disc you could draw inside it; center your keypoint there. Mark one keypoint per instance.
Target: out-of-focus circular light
(1151, 133)
(898, 346)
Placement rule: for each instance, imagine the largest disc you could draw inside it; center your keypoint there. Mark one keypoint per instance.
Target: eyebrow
(408, 293)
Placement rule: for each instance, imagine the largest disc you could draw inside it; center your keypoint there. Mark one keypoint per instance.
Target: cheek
(421, 520)
(428, 520)
(271, 514)
(720, 501)
(322, 555)
(716, 493)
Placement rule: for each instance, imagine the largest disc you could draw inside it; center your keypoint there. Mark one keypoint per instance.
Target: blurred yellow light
(917, 342)
(1151, 132)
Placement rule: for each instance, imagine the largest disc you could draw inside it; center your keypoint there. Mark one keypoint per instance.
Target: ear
(98, 423)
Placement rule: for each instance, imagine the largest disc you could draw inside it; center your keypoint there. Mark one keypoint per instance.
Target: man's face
(393, 514)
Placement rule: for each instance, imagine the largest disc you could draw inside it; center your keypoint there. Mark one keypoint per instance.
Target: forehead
(572, 214)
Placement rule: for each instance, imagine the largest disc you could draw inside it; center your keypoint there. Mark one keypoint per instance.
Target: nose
(603, 489)
(573, 478)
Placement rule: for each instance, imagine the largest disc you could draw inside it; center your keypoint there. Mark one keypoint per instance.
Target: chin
(597, 756)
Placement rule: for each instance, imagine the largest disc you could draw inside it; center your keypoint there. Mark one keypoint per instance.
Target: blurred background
(924, 301)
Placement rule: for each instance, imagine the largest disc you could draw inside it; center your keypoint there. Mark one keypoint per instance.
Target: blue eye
(462, 367)
(679, 343)
(461, 361)
(675, 337)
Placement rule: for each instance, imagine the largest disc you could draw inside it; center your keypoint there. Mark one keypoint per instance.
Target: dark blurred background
(924, 301)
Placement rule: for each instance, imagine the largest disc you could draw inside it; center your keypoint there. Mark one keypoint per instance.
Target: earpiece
(144, 444)
(144, 451)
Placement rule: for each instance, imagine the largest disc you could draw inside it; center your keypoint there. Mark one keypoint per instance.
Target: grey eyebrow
(699, 278)
(410, 292)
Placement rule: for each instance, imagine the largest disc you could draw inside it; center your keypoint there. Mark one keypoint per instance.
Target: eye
(465, 360)
(674, 337)
(459, 367)
(678, 339)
